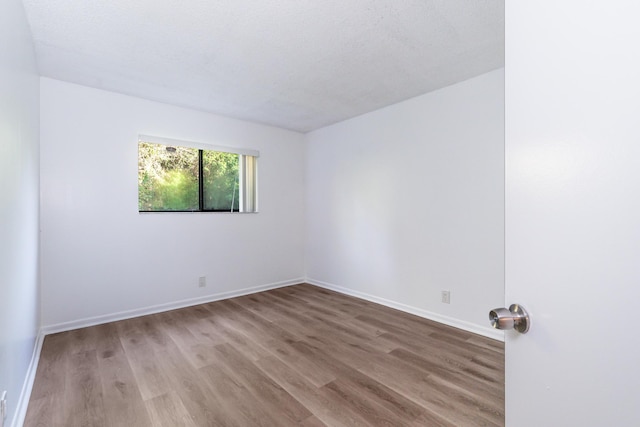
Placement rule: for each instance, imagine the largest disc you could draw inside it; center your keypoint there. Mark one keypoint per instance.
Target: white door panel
(573, 212)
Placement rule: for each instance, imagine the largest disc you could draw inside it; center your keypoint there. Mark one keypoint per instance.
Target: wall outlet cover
(446, 297)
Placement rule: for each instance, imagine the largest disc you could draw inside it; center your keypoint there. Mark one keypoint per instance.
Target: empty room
(280, 213)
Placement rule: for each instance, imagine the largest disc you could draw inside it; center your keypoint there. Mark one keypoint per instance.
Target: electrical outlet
(202, 281)
(3, 408)
(446, 297)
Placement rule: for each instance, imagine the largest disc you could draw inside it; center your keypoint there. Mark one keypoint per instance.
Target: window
(180, 176)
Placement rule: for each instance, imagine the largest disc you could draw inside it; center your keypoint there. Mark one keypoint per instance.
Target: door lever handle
(516, 317)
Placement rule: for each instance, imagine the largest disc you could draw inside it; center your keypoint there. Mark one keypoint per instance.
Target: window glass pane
(167, 178)
(220, 178)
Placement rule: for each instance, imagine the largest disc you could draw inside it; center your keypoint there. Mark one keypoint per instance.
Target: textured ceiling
(296, 64)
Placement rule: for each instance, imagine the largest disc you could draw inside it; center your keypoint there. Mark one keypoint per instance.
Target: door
(573, 212)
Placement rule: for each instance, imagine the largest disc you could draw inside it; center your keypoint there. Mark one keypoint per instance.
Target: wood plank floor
(295, 356)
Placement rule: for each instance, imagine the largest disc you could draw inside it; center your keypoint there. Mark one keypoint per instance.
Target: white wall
(19, 134)
(408, 200)
(100, 256)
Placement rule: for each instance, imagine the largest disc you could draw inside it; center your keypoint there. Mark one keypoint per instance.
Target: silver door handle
(515, 318)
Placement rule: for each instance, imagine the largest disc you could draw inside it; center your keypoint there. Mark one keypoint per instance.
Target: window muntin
(173, 177)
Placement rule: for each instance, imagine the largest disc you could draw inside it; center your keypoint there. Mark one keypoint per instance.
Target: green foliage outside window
(169, 179)
(220, 178)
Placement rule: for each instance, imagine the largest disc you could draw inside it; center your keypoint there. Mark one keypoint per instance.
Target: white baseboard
(97, 320)
(450, 321)
(25, 394)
